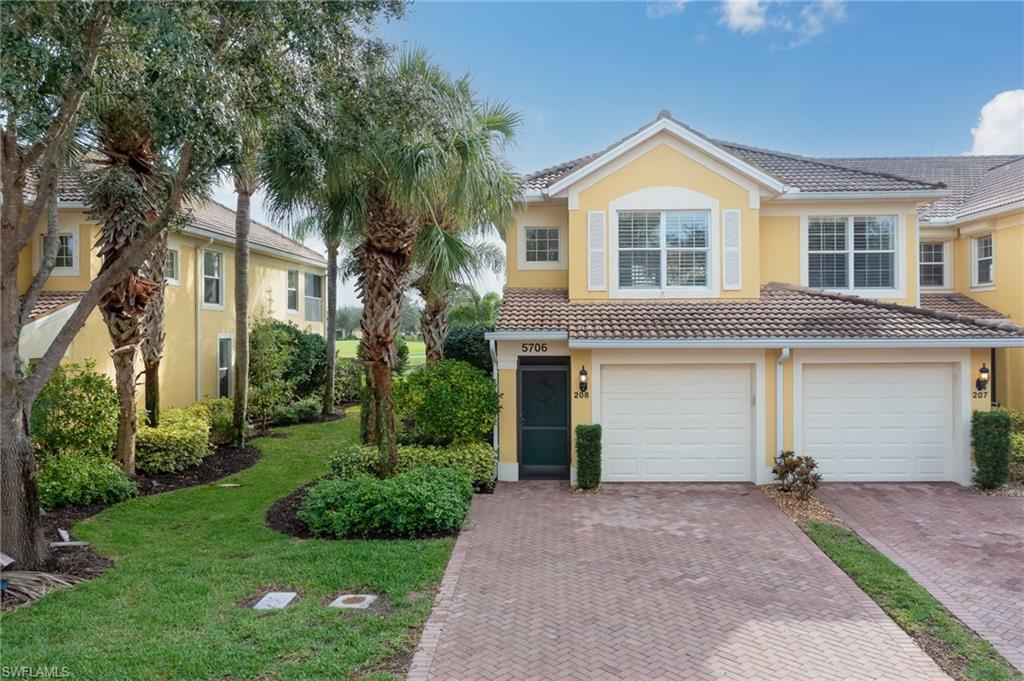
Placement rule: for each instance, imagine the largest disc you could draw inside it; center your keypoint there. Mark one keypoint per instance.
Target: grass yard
(167, 609)
(959, 651)
(417, 350)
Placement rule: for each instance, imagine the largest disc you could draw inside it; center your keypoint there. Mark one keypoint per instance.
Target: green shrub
(467, 344)
(270, 355)
(990, 438)
(302, 411)
(306, 366)
(444, 402)
(588, 456)
(475, 460)
(1016, 442)
(219, 412)
(348, 381)
(421, 502)
(182, 440)
(74, 480)
(796, 474)
(75, 413)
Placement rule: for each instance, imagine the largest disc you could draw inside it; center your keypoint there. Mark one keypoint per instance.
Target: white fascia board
(667, 125)
(526, 335)
(863, 196)
(1016, 205)
(803, 343)
(531, 196)
(257, 248)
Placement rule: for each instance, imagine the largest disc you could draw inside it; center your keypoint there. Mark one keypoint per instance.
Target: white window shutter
(732, 264)
(595, 251)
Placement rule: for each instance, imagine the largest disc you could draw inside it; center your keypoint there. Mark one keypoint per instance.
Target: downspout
(779, 382)
(198, 309)
(494, 373)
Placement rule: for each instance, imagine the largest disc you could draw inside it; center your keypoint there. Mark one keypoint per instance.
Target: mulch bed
(283, 515)
(800, 510)
(1014, 488)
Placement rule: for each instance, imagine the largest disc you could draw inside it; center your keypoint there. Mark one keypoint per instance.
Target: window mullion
(663, 253)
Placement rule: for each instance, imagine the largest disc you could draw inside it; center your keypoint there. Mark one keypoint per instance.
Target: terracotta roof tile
(51, 301)
(782, 311)
(959, 304)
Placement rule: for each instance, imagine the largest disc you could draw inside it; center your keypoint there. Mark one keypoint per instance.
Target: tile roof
(806, 174)
(976, 183)
(51, 301)
(782, 312)
(959, 304)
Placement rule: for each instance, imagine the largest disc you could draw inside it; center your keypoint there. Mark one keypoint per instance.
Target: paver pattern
(662, 581)
(966, 549)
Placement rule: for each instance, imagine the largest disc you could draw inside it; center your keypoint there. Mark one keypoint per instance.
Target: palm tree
(470, 308)
(154, 333)
(245, 173)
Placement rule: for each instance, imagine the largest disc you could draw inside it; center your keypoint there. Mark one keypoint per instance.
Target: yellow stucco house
(711, 303)
(286, 282)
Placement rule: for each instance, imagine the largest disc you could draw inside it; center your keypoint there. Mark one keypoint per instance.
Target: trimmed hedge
(1016, 442)
(182, 440)
(75, 480)
(588, 456)
(425, 501)
(303, 411)
(475, 460)
(990, 437)
(348, 381)
(219, 412)
(444, 402)
(467, 343)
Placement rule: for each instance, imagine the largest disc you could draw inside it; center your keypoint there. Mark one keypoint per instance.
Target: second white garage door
(677, 422)
(879, 422)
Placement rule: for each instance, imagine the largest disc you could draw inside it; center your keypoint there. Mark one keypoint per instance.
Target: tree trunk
(127, 418)
(155, 332)
(332, 325)
(242, 224)
(384, 409)
(434, 327)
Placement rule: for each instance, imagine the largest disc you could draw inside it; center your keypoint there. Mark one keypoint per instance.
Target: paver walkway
(966, 549)
(651, 581)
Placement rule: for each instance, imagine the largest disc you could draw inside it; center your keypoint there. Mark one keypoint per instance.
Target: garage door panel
(695, 422)
(865, 422)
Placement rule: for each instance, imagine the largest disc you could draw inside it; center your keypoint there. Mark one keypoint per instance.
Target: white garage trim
(959, 360)
(754, 358)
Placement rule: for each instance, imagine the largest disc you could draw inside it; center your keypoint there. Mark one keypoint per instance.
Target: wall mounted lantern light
(983, 377)
(584, 379)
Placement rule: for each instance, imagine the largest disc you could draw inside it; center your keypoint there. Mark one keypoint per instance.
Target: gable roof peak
(664, 113)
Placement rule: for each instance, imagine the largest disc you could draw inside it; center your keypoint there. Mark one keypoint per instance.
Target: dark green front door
(544, 421)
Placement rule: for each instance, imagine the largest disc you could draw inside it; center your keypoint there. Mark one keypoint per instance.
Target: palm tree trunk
(434, 327)
(155, 335)
(332, 325)
(127, 418)
(242, 225)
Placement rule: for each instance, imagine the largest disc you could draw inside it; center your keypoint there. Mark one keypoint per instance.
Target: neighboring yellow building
(286, 282)
(710, 303)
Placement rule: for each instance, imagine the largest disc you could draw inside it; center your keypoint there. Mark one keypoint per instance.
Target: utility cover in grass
(275, 600)
(353, 601)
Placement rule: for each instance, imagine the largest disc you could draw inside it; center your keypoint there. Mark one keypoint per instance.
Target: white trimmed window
(314, 297)
(856, 252)
(293, 290)
(663, 249)
(66, 262)
(213, 279)
(932, 263)
(542, 244)
(984, 261)
(172, 266)
(223, 366)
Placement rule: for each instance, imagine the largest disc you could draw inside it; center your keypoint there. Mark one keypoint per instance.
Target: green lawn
(167, 610)
(417, 350)
(959, 651)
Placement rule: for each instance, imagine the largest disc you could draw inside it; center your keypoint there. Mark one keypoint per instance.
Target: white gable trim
(684, 134)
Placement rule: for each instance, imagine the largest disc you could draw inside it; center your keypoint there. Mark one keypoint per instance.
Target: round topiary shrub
(445, 402)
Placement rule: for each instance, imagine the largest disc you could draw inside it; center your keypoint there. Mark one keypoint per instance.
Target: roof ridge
(920, 311)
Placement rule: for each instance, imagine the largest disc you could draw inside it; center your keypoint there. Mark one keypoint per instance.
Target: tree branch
(51, 243)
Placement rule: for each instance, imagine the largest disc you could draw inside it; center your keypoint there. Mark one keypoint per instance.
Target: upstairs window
(293, 290)
(932, 260)
(65, 264)
(851, 252)
(984, 261)
(663, 249)
(213, 278)
(542, 244)
(172, 264)
(314, 297)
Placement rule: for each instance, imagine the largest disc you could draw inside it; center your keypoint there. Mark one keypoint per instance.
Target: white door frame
(957, 470)
(760, 471)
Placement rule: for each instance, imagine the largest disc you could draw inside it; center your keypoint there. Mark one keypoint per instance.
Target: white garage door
(875, 422)
(677, 422)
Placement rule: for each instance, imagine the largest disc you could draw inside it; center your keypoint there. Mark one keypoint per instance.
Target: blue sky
(820, 78)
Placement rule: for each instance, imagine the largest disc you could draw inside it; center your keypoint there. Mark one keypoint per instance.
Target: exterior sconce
(584, 379)
(983, 377)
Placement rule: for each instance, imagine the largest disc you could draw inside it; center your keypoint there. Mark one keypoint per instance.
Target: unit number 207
(535, 347)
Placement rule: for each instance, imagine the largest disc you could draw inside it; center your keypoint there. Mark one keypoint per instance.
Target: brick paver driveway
(966, 549)
(657, 581)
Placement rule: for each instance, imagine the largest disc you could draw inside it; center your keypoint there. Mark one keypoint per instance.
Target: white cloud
(744, 16)
(664, 8)
(1000, 128)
